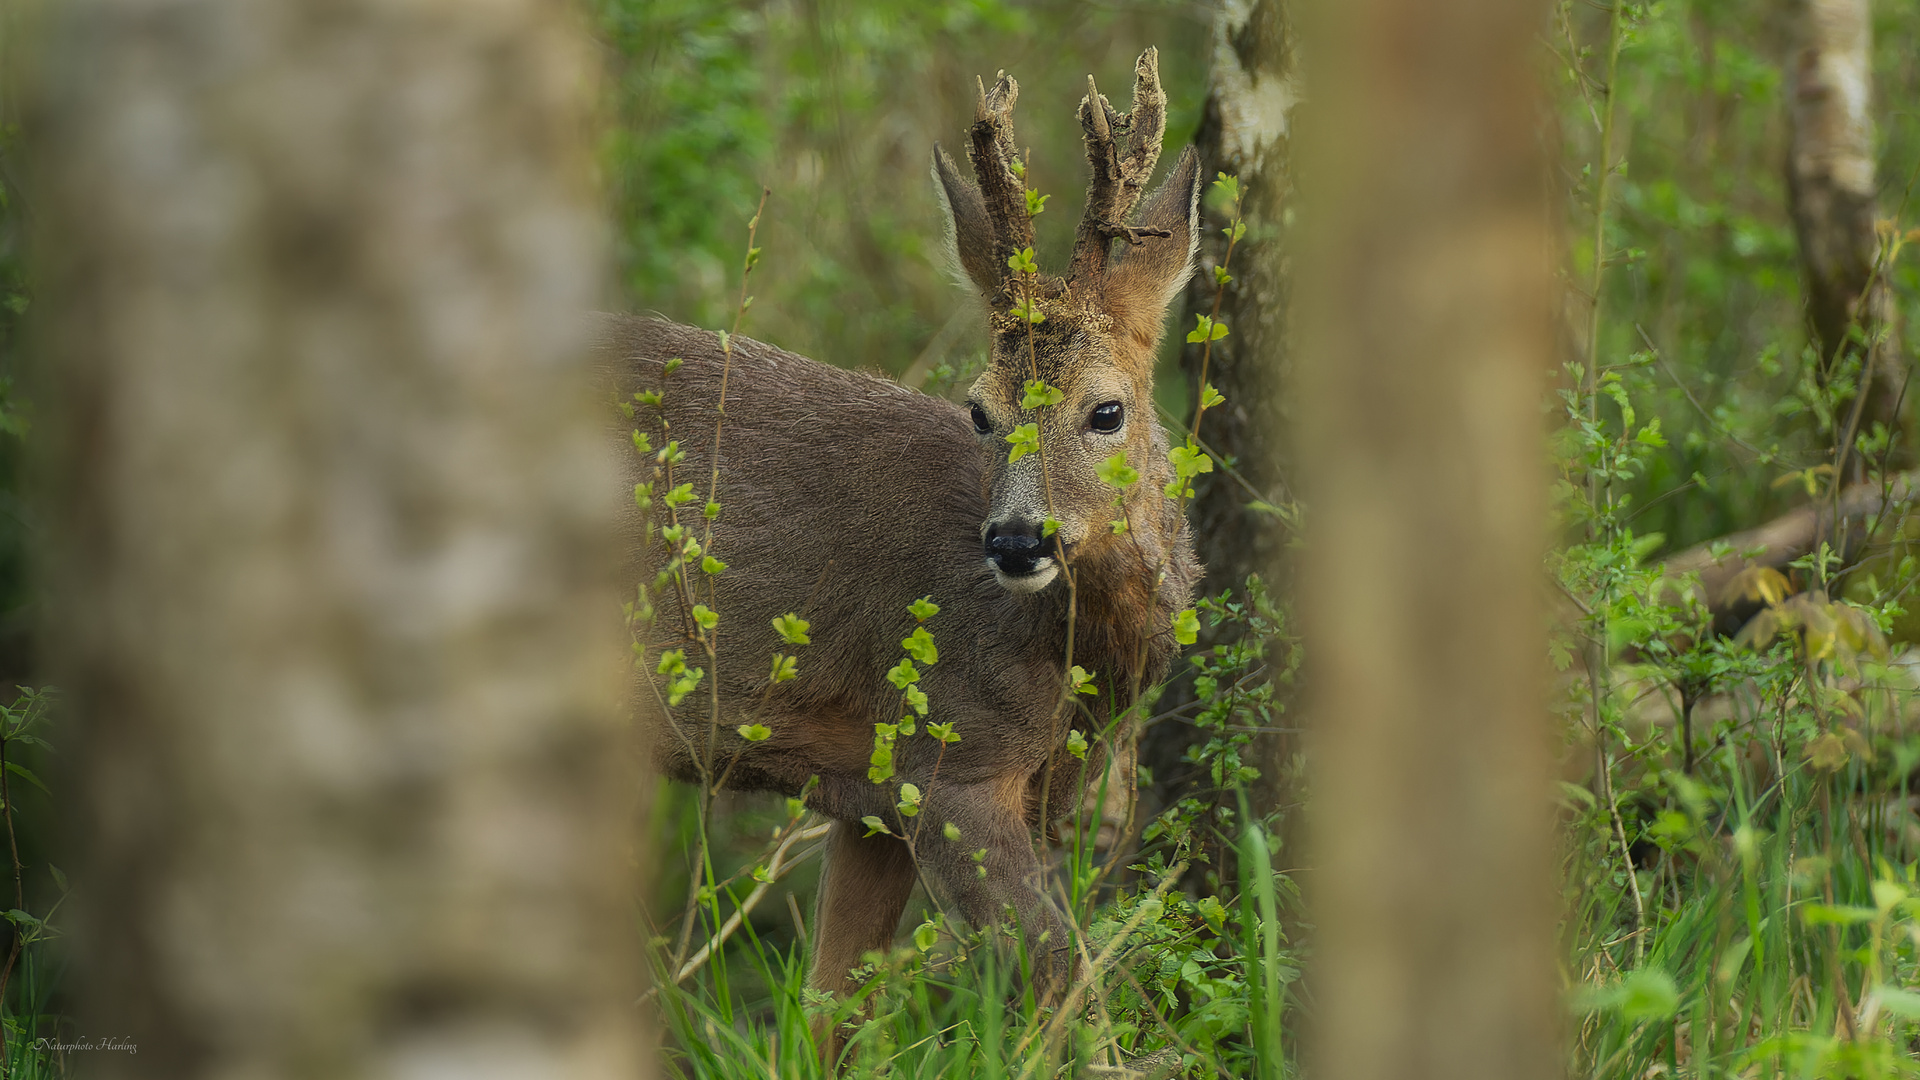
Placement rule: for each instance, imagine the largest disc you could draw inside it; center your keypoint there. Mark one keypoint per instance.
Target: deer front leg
(990, 866)
(864, 886)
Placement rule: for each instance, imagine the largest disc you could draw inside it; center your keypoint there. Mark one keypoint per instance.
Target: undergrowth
(1740, 839)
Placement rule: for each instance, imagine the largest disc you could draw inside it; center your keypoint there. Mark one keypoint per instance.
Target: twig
(1055, 1026)
(777, 867)
(19, 888)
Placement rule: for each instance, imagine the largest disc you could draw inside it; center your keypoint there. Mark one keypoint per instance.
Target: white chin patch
(1041, 577)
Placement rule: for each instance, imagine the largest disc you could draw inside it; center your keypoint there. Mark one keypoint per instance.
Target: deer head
(1090, 337)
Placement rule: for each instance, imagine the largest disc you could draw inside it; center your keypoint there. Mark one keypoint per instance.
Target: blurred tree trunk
(1426, 339)
(331, 540)
(1830, 185)
(1244, 132)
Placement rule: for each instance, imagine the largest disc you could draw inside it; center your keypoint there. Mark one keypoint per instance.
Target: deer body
(845, 498)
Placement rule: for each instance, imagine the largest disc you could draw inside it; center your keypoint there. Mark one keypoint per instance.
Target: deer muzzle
(1020, 556)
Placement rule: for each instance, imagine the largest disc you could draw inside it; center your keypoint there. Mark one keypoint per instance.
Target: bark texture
(1830, 185)
(1245, 131)
(1424, 300)
(331, 520)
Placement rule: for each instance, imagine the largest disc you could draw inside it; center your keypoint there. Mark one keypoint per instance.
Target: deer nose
(1016, 548)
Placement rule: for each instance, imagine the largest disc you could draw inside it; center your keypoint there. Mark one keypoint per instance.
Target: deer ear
(969, 234)
(1145, 278)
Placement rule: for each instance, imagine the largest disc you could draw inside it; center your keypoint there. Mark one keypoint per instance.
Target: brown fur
(844, 498)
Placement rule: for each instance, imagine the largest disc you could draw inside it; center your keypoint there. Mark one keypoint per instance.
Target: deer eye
(980, 423)
(1106, 416)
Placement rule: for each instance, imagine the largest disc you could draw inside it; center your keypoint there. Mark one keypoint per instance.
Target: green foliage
(1737, 892)
(835, 106)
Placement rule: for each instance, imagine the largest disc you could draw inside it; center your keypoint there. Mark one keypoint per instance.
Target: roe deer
(846, 497)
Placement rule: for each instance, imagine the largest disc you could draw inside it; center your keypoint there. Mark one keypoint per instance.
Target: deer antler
(1117, 178)
(993, 153)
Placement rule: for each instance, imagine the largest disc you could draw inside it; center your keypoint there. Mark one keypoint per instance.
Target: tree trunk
(1830, 187)
(330, 556)
(1244, 132)
(1426, 339)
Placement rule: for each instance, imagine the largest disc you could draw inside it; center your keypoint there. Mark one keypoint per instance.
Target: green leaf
(1036, 203)
(793, 629)
(1024, 440)
(705, 616)
(944, 732)
(1902, 1003)
(641, 443)
(1082, 681)
(1213, 911)
(688, 681)
(671, 365)
(711, 510)
(924, 608)
(1188, 462)
(880, 762)
(1050, 526)
(1836, 914)
(784, 668)
(1077, 744)
(643, 496)
(672, 662)
(1039, 395)
(920, 646)
(903, 674)
(682, 493)
(1115, 472)
(754, 732)
(949, 830)
(1022, 262)
(875, 827)
(1646, 994)
(1209, 397)
(925, 935)
(1199, 333)
(16, 769)
(712, 565)
(909, 804)
(1186, 627)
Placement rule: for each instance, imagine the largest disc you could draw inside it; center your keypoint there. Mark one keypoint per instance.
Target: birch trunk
(330, 540)
(1830, 186)
(1245, 131)
(1426, 338)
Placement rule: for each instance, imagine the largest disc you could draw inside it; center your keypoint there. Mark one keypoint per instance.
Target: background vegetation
(1740, 834)
(1739, 907)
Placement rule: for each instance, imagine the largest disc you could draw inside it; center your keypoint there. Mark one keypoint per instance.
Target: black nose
(1016, 548)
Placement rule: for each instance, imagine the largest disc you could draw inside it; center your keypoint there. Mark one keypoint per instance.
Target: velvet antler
(1117, 177)
(1002, 191)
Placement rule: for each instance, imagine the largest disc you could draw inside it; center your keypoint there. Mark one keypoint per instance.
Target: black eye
(980, 423)
(1106, 416)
